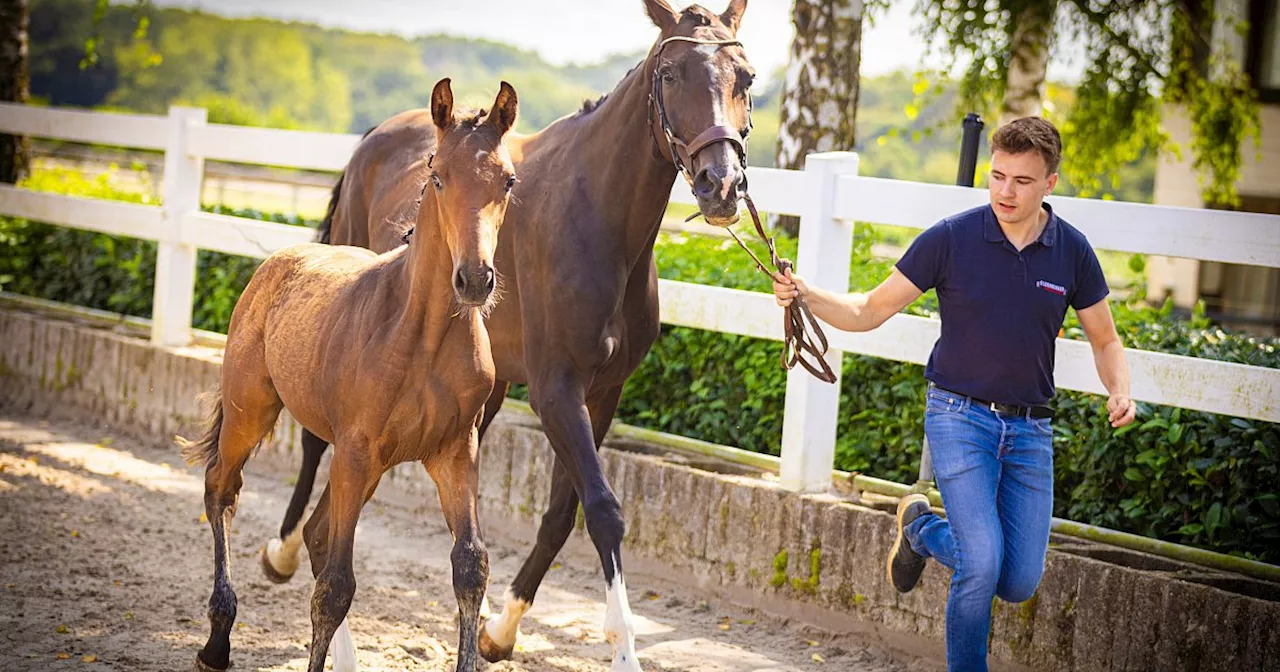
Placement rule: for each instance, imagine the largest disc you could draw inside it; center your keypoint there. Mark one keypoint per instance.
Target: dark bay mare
(385, 356)
(575, 263)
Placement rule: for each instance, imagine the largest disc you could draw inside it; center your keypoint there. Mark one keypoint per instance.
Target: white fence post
(175, 262)
(809, 419)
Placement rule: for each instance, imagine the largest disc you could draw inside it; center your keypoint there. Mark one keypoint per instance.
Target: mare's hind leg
(498, 639)
(456, 478)
(352, 480)
(280, 556)
(247, 418)
(493, 405)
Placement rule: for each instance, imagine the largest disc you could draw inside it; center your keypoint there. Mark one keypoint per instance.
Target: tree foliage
(1141, 57)
(290, 75)
(316, 78)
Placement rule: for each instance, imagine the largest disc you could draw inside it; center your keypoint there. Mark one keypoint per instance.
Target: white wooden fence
(827, 196)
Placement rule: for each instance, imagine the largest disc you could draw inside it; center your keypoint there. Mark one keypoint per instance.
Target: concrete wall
(817, 558)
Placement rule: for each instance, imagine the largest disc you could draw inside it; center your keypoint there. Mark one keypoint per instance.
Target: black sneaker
(905, 565)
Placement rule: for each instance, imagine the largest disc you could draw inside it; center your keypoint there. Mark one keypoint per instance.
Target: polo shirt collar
(994, 234)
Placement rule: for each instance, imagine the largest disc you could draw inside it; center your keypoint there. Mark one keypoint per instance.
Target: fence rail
(1191, 233)
(826, 196)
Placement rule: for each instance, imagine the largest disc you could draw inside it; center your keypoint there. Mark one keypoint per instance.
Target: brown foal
(384, 356)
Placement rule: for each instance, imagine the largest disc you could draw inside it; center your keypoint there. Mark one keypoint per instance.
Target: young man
(1005, 274)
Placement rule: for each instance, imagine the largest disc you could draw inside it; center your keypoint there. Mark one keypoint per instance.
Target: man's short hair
(1030, 134)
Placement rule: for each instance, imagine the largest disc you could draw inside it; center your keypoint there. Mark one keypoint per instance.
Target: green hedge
(1194, 478)
(112, 272)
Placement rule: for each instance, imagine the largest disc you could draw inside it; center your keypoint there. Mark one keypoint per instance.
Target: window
(1263, 61)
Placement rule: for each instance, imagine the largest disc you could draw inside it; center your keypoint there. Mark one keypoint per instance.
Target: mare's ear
(732, 16)
(661, 14)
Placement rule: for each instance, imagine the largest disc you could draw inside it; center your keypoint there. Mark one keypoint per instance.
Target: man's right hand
(788, 287)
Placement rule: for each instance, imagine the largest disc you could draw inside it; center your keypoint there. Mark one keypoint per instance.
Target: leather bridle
(798, 319)
(682, 154)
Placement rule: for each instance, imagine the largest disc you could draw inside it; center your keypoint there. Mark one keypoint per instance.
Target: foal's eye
(435, 180)
(511, 183)
(667, 74)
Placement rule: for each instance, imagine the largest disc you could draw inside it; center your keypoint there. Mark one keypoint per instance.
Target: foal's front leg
(456, 477)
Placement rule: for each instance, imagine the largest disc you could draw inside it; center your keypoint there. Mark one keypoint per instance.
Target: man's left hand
(1121, 410)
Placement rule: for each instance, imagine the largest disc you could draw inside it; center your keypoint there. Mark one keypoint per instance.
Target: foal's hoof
(271, 571)
(490, 649)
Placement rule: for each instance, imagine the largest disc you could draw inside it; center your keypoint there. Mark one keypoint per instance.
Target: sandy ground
(105, 563)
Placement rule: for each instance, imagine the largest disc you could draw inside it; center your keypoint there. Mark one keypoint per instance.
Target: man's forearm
(1112, 367)
(848, 312)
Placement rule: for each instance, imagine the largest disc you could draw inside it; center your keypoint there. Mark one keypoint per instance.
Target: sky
(585, 31)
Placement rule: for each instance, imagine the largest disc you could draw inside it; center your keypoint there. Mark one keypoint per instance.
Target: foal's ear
(732, 16)
(505, 106)
(442, 105)
(661, 14)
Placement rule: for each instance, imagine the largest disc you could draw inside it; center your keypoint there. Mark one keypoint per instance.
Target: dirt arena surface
(106, 564)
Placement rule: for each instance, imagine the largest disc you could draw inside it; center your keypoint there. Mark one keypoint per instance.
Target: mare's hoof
(201, 667)
(490, 649)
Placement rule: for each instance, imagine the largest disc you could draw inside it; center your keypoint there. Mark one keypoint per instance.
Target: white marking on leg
(283, 555)
(343, 649)
(504, 629)
(484, 608)
(619, 625)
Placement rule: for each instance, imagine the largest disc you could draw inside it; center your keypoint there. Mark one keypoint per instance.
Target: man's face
(1018, 185)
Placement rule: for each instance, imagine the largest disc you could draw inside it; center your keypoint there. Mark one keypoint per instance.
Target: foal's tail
(205, 449)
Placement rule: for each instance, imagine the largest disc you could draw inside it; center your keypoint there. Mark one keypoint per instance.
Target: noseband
(682, 154)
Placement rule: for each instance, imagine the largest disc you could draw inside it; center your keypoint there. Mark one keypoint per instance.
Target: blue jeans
(995, 473)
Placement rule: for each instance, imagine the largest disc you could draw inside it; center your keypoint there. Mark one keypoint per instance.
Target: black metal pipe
(972, 135)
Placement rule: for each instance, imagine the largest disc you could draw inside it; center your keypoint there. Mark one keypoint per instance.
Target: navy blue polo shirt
(1001, 309)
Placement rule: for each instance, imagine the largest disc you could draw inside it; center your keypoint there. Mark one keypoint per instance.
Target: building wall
(1249, 292)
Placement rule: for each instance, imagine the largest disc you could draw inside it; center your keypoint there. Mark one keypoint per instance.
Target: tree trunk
(820, 95)
(1032, 27)
(13, 84)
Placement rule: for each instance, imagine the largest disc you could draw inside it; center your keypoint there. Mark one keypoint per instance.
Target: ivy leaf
(1214, 518)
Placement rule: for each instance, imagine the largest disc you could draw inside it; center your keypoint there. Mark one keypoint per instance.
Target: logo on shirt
(1050, 287)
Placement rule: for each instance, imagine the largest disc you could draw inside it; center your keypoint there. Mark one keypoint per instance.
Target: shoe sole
(903, 505)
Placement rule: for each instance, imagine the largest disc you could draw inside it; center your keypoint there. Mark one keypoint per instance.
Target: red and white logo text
(1050, 287)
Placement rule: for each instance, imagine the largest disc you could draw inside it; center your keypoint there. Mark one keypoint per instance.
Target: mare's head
(469, 187)
(701, 96)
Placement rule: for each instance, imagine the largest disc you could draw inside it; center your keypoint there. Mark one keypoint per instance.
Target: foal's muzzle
(473, 284)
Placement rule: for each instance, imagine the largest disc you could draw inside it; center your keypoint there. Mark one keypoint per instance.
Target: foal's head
(469, 187)
(701, 80)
